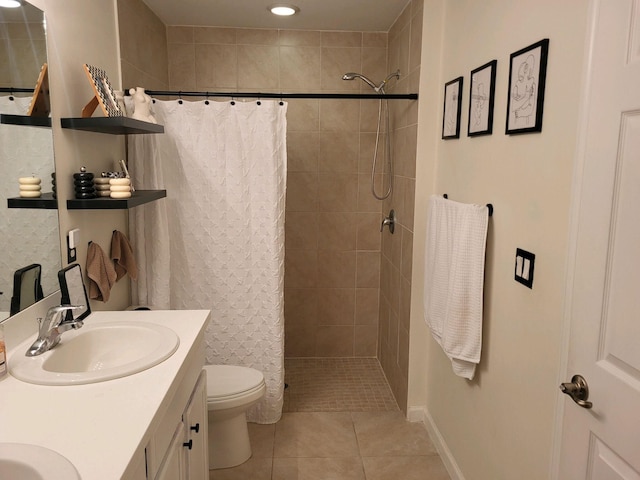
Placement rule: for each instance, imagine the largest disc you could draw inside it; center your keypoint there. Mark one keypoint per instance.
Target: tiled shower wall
(332, 262)
(334, 251)
(405, 40)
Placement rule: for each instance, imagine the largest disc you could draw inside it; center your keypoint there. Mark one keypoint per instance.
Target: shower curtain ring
(280, 102)
(206, 101)
(11, 94)
(259, 102)
(180, 97)
(233, 101)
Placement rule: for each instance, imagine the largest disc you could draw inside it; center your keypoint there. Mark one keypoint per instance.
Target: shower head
(352, 76)
(377, 88)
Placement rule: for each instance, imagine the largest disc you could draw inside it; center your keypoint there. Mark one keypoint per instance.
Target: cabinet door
(173, 465)
(196, 421)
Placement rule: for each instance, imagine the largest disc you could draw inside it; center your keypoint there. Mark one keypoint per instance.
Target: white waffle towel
(454, 280)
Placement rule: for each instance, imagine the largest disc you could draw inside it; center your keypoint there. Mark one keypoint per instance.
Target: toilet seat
(226, 383)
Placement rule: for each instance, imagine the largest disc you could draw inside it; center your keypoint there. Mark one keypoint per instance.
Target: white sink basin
(33, 462)
(96, 353)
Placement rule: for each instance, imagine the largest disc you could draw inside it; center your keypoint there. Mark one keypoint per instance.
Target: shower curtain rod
(344, 96)
(15, 90)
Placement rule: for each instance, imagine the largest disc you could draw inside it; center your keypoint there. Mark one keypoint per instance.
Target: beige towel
(122, 256)
(102, 275)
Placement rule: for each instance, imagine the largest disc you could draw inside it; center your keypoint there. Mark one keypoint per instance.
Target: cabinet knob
(188, 444)
(196, 427)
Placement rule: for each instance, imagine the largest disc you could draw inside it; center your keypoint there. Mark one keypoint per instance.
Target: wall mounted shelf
(111, 125)
(25, 120)
(45, 202)
(139, 197)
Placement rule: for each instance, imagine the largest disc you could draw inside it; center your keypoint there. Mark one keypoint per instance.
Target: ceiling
(353, 15)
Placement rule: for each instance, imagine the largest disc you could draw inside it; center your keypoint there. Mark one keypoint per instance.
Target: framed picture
(527, 76)
(103, 94)
(452, 109)
(481, 96)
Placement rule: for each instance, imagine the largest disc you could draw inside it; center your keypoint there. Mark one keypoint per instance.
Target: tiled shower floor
(336, 385)
(339, 422)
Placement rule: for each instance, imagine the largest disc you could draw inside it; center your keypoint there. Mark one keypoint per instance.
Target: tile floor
(339, 422)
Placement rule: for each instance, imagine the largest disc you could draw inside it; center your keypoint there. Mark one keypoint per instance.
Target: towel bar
(489, 205)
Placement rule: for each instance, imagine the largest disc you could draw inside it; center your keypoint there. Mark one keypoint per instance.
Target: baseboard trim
(421, 414)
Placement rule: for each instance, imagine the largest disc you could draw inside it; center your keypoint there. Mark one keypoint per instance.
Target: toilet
(231, 391)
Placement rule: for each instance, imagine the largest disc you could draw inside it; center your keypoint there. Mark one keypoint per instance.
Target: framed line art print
(481, 97)
(527, 78)
(452, 109)
(103, 93)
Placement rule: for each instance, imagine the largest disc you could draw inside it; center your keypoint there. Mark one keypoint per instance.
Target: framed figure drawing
(481, 97)
(527, 76)
(452, 109)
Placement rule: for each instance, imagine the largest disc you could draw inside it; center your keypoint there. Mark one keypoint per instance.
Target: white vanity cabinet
(178, 448)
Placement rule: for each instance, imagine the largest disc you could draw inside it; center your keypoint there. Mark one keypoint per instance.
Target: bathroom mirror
(27, 236)
(74, 292)
(27, 287)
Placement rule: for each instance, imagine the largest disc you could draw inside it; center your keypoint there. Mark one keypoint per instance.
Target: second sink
(97, 353)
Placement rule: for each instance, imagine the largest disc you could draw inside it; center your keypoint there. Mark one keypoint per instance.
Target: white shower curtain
(217, 240)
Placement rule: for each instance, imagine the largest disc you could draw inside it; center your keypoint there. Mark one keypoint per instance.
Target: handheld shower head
(352, 76)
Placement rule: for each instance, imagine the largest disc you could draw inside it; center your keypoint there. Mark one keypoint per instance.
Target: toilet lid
(226, 380)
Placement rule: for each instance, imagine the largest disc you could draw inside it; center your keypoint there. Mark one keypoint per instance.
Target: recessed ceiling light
(283, 10)
(10, 3)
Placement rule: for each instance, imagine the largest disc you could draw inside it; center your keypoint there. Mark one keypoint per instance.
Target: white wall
(78, 32)
(500, 425)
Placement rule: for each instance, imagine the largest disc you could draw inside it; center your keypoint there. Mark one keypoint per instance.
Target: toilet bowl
(231, 391)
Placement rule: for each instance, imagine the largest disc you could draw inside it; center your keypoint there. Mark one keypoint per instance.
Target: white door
(603, 443)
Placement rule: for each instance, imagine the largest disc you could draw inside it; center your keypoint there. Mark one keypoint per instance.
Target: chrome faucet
(52, 327)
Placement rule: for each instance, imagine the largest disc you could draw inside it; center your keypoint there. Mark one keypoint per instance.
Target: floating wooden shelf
(139, 197)
(45, 202)
(25, 120)
(111, 125)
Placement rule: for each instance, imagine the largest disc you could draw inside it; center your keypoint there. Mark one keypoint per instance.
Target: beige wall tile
(303, 115)
(299, 340)
(336, 306)
(336, 269)
(300, 38)
(258, 67)
(302, 192)
(406, 254)
(405, 303)
(338, 152)
(403, 350)
(415, 45)
(340, 116)
(337, 231)
(366, 201)
(368, 269)
(374, 65)
(303, 149)
(367, 309)
(368, 236)
(300, 69)
(337, 192)
(335, 341)
(301, 307)
(214, 35)
(369, 117)
(182, 68)
(256, 36)
(216, 66)
(366, 341)
(374, 39)
(179, 34)
(335, 63)
(301, 269)
(301, 231)
(341, 39)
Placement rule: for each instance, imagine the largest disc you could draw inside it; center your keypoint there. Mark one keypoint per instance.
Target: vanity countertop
(101, 427)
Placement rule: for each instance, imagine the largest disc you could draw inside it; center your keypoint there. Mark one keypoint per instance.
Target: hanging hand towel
(454, 280)
(102, 275)
(122, 256)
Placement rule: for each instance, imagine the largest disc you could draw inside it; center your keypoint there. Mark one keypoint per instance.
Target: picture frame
(452, 109)
(40, 105)
(482, 89)
(527, 79)
(103, 94)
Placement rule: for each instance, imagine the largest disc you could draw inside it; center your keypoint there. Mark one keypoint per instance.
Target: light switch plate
(524, 267)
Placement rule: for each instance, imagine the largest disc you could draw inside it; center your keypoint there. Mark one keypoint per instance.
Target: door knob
(578, 390)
